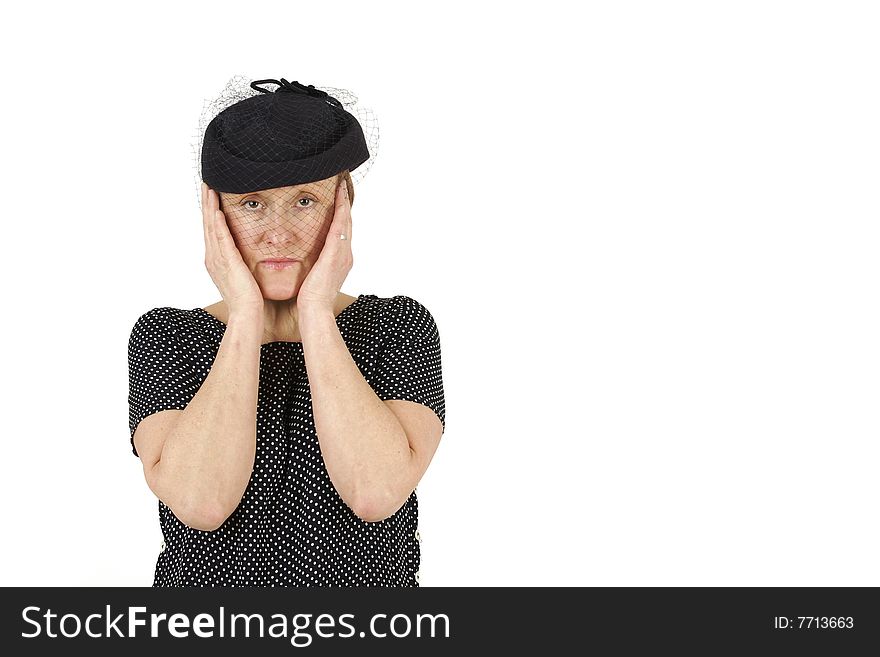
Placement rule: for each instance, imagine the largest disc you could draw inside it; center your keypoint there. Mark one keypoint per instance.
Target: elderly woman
(284, 428)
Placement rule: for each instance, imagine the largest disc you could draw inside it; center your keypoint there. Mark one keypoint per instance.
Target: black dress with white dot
(291, 528)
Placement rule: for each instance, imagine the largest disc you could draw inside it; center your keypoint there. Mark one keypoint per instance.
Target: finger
(342, 213)
(348, 204)
(219, 227)
(207, 223)
(346, 211)
(221, 231)
(212, 215)
(342, 206)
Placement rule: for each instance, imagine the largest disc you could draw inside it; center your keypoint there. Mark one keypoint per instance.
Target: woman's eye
(254, 205)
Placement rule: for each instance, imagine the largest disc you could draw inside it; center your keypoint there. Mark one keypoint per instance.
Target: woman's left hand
(324, 281)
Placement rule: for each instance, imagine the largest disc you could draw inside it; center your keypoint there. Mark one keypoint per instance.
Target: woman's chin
(279, 290)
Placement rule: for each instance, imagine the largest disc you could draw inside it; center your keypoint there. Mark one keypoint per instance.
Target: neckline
(291, 342)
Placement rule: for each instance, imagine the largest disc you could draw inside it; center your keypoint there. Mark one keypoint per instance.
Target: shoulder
(404, 318)
(159, 322)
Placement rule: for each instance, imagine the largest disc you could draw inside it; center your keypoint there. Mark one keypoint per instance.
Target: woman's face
(289, 223)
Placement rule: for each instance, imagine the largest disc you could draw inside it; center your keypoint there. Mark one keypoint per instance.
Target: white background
(648, 233)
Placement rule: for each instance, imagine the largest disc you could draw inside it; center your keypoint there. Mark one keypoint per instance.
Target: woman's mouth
(278, 263)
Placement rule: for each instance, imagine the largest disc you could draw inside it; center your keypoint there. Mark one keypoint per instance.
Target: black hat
(294, 135)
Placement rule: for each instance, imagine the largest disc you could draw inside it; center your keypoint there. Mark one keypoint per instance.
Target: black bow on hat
(296, 87)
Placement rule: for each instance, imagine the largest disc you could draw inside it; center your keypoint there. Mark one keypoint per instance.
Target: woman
(284, 428)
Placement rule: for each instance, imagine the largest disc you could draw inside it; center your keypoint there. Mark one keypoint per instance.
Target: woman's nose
(281, 230)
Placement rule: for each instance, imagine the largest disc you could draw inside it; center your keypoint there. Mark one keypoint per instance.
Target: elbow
(374, 507)
(369, 514)
(189, 507)
(206, 518)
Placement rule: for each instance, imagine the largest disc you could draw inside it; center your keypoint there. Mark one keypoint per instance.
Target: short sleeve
(409, 366)
(159, 376)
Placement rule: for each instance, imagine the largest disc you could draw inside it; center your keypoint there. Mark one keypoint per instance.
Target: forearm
(208, 456)
(365, 449)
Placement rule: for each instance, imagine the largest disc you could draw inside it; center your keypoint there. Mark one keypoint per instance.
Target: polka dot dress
(291, 528)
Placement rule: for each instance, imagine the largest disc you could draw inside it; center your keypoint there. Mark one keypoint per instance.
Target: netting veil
(276, 156)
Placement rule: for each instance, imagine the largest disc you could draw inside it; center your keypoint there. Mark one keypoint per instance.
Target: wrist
(246, 316)
(315, 320)
(314, 308)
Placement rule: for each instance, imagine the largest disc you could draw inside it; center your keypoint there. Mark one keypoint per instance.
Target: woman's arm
(208, 454)
(371, 460)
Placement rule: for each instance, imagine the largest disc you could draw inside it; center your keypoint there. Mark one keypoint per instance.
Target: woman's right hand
(230, 274)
